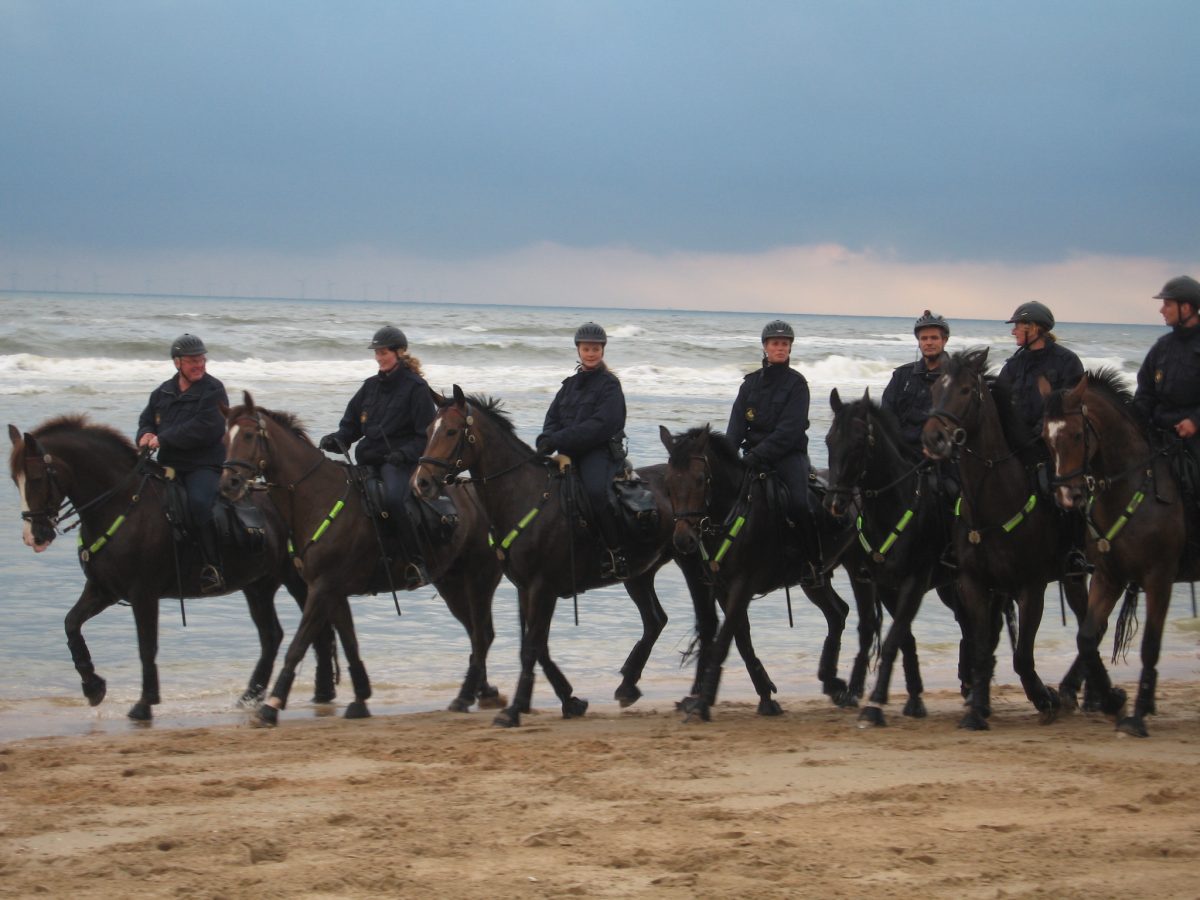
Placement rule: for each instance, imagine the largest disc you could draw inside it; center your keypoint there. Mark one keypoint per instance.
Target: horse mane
(288, 420)
(723, 448)
(1108, 382)
(493, 408)
(887, 421)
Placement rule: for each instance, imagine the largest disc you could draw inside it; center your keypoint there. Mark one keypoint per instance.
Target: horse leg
(736, 604)
(1031, 603)
(315, 618)
(1072, 681)
(952, 600)
(763, 685)
(904, 605)
(325, 643)
(654, 620)
(535, 622)
(1158, 596)
(456, 593)
(343, 621)
(835, 610)
(91, 602)
(260, 599)
(145, 617)
(1102, 597)
(480, 592)
(983, 617)
(704, 606)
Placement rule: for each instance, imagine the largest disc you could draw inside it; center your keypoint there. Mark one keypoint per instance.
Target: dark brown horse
(706, 483)
(1008, 538)
(127, 553)
(545, 556)
(338, 551)
(1106, 465)
(902, 524)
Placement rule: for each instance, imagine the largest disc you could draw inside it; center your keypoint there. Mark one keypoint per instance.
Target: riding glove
(330, 443)
(544, 443)
(396, 458)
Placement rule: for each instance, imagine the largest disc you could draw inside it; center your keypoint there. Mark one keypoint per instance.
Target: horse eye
(451, 432)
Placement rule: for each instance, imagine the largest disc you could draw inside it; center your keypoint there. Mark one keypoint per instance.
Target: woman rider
(1040, 355)
(586, 421)
(769, 422)
(388, 417)
(183, 422)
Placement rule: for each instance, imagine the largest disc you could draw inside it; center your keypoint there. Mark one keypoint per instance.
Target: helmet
(1037, 313)
(931, 320)
(1184, 289)
(591, 333)
(389, 337)
(778, 329)
(188, 345)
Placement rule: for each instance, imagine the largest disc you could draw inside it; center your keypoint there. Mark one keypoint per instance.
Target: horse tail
(1127, 624)
(877, 636)
(1010, 619)
(692, 650)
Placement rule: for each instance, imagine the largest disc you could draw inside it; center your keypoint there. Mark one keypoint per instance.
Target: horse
(545, 555)
(126, 549)
(1107, 465)
(902, 531)
(1007, 538)
(339, 551)
(705, 484)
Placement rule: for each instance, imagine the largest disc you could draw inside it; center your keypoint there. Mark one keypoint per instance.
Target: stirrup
(1077, 565)
(211, 581)
(415, 576)
(812, 577)
(615, 566)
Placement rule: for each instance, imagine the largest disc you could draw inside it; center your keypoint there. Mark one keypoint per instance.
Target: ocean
(103, 354)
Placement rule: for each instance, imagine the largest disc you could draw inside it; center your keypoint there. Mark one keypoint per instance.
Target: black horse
(127, 553)
(751, 556)
(339, 553)
(545, 555)
(903, 530)
(1107, 465)
(1008, 538)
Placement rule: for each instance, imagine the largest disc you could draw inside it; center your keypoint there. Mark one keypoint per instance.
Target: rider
(586, 421)
(1040, 355)
(908, 394)
(388, 417)
(183, 422)
(1168, 383)
(769, 422)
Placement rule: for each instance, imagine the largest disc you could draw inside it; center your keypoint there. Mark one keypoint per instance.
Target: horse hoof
(834, 687)
(1047, 716)
(324, 697)
(1068, 699)
(1133, 726)
(493, 700)
(769, 707)
(915, 708)
(357, 710)
(140, 712)
(1113, 702)
(573, 708)
(509, 717)
(267, 715)
(694, 708)
(459, 705)
(871, 716)
(627, 695)
(973, 721)
(94, 690)
(249, 700)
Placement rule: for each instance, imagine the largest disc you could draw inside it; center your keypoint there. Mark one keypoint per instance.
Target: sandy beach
(616, 804)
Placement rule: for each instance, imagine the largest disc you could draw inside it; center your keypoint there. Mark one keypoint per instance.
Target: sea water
(103, 354)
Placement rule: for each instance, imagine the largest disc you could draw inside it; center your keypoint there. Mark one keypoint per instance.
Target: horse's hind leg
(763, 685)
(145, 617)
(343, 621)
(1031, 602)
(1157, 601)
(654, 620)
(473, 609)
(835, 610)
(90, 602)
(260, 598)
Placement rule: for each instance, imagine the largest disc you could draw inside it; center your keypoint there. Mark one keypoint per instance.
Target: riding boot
(415, 573)
(1076, 564)
(812, 574)
(212, 581)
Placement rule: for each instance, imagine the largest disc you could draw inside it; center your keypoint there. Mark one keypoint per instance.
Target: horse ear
(460, 399)
(1080, 386)
(439, 400)
(835, 401)
(247, 400)
(665, 436)
(14, 435)
(867, 395)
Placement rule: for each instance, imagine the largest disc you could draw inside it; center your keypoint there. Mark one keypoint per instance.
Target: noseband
(51, 513)
(255, 470)
(1084, 470)
(953, 423)
(465, 437)
(697, 518)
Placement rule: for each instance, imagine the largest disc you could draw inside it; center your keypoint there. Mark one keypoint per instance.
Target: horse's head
(1070, 435)
(450, 447)
(689, 484)
(849, 442)
(246, 448)
(957, 402)
(38, 477)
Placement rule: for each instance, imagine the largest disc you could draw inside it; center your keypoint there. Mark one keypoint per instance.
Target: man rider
(1168, 383)
(908, 395)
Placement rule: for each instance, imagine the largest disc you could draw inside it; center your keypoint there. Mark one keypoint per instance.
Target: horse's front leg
(145, 617)
(654, 620)
(535, 627)
(983, 617)
(1103, 593)
(92, 601)
(763, 685)
(737, 602)
(904, 605)
(835, 610)
(343, 622)
(318, 604)
(704, 604)
(1031, 603)
(1068, 689)
(260, 599)
(1158, 597)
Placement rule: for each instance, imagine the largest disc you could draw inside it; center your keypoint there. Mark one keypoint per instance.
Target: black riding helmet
(1035, 313)
(931, 320)
(591, 333)
(1181, 289)
(778, 328)
(188, 345)
(389, 337)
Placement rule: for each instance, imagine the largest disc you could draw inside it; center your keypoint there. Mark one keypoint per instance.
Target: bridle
(455, 464)
(258, 469)
(1084, 469)
(52, 512)
(697, 518)
(953, 423)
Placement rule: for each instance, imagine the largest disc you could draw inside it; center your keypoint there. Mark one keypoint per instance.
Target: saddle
(241, 526)
(630, 502)
(434, 519)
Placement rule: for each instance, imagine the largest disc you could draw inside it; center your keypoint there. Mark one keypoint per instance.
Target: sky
(806, 157)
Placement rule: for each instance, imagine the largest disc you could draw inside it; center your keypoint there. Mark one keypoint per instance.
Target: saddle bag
(637, 510)
(244, 526)
(436, 518)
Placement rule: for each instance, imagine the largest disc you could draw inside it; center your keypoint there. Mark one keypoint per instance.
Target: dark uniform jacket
(1168, 383)
(770, 415)
(189, 424)
(909, 397)
(587, 413)
(389, 414)
(1059, 365)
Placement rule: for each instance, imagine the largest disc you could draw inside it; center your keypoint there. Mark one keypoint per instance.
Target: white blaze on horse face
(26, 525)
(233, 433)
(1053, 430)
